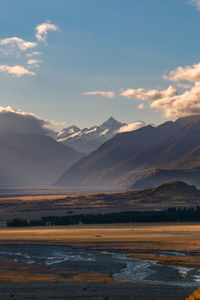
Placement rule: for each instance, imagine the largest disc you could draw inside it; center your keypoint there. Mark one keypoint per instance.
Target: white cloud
(196, 3)
(132, 127)
(17, 42)
(34, 62)
(141, 106)
(17, 71)
(169, 102)
(101, 93)
(142, 94)
(189, 73)
(15, 46)
(42, 31)
(185, 104)
(34, 53)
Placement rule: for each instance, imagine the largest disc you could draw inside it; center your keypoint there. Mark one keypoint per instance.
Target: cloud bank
(189, 73)
(149, 95)
(170, 102)
(185, 104)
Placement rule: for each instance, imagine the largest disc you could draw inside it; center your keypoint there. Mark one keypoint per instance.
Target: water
(48, 255)
(117, 264)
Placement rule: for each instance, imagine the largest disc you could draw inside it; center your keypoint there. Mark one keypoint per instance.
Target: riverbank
(55, 272)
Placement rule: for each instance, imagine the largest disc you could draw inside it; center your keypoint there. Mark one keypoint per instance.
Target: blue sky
(99, 45)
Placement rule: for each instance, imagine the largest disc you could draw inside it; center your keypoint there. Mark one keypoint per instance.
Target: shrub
(195, 296)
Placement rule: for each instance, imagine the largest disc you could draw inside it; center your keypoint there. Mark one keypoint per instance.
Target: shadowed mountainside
(33, 159)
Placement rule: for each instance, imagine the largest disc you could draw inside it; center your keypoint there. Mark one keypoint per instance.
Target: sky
(82, 61)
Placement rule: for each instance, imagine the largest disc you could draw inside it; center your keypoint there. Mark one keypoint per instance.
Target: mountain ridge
(129, 157)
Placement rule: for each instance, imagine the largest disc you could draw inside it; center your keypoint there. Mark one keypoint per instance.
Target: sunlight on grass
(195, 296)
(136, 236)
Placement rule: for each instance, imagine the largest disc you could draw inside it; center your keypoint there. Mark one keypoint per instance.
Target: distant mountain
(137, 159)
(89, 139)
(33, 160)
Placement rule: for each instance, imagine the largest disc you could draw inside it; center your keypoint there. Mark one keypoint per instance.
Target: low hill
(169, 194)
(176, 189)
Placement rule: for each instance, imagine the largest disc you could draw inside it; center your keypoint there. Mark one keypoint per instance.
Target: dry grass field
(131, 237)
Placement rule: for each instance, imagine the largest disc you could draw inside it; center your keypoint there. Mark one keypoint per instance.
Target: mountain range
(143, 158)
(89, 139)
(132, 158)
(35, 158)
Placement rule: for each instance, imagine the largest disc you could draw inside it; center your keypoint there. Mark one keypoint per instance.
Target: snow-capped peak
(111, 123)
(67, 132)
(88, 139)
(132, 126)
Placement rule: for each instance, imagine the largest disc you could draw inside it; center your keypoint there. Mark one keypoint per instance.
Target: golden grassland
(131, 237)
(169, 260)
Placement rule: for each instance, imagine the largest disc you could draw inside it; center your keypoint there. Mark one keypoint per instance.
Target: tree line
(172, 214)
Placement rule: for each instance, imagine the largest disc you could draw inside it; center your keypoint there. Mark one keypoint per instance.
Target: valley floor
(25, 281)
